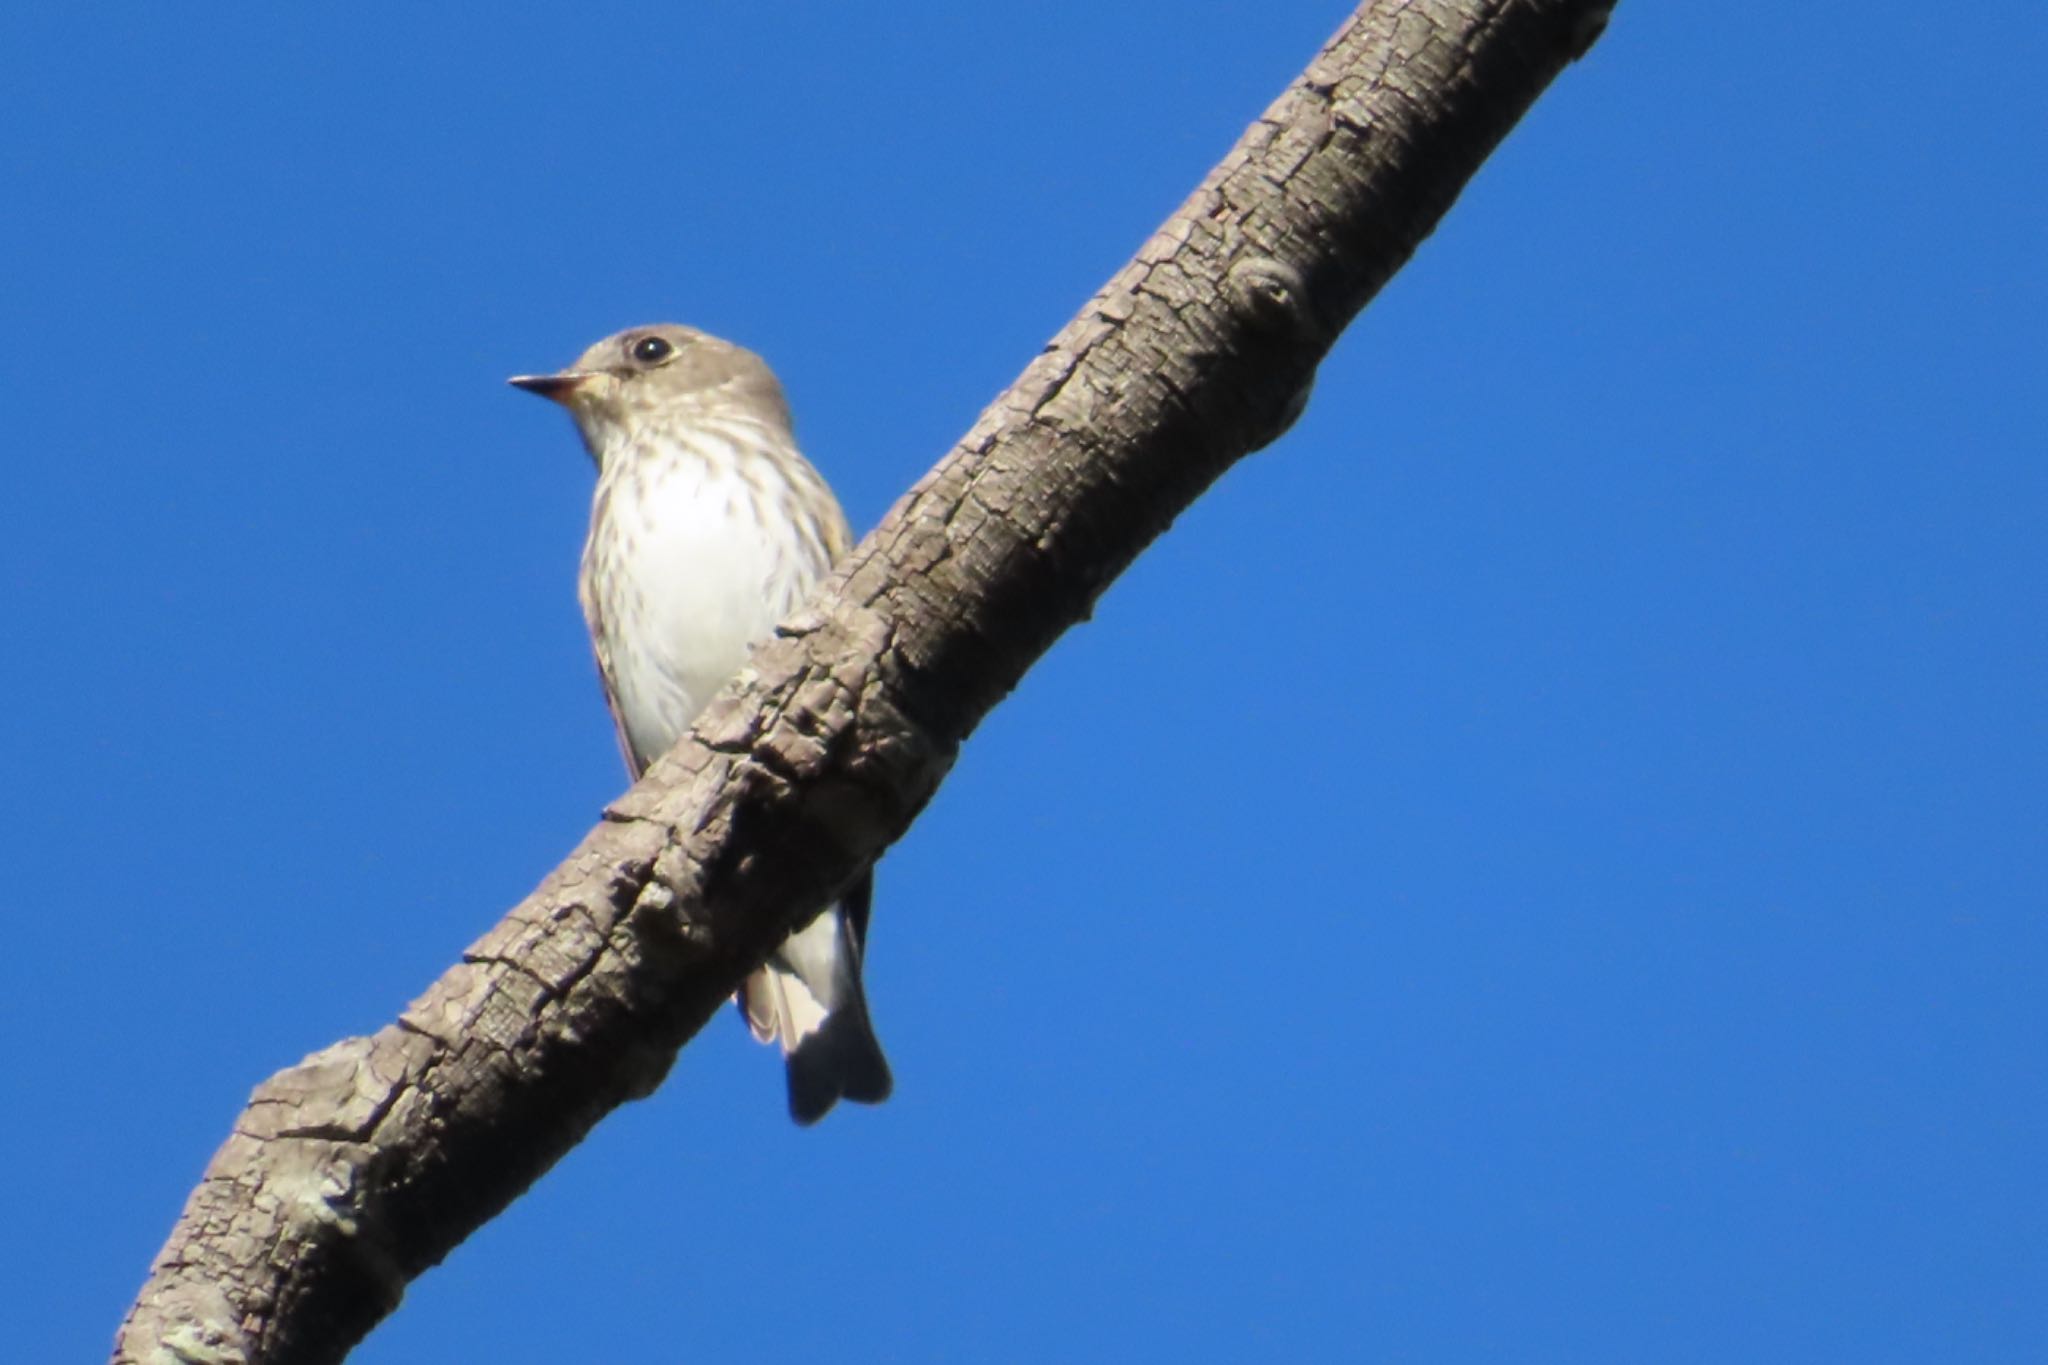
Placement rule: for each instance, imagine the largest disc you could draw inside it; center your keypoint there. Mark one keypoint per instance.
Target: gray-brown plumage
(707, 528)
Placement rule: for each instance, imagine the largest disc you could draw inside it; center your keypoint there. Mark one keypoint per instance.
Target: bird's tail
(808, 994)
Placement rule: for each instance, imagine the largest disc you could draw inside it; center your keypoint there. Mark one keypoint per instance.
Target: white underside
(697, 578)
(704, 581)
(791, 996)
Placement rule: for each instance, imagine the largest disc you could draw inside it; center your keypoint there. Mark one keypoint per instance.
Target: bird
(707, 527)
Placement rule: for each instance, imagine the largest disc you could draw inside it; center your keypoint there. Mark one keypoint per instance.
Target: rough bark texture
(353, 1172)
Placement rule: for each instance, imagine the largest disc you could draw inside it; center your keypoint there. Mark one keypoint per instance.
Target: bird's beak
(558, 387)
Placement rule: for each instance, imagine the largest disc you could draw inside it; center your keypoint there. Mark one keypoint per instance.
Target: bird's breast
(689, 563)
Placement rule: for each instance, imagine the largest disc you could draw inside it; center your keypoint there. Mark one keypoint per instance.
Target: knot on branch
(1273, 300)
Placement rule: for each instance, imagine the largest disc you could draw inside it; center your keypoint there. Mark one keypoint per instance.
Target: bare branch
(353, 1172)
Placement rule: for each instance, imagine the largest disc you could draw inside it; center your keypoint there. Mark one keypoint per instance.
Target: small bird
(708, 527)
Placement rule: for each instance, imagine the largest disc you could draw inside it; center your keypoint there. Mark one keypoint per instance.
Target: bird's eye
(652, 350)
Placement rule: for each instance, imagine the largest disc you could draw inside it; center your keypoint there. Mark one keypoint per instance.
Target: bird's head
(659, 376)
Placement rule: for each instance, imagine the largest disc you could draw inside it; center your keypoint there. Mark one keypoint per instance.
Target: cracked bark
(354, 1171)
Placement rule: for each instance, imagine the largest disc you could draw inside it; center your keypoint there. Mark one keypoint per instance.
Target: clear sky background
(1546, 863)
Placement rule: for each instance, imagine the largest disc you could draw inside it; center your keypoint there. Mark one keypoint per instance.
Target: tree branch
(354, 1171)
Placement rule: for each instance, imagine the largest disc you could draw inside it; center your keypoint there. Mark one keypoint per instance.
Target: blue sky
(1545, 863)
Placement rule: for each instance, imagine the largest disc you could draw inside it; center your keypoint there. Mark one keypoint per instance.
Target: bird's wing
(593, 613)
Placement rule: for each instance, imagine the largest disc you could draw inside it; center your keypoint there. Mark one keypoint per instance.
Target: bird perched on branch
(708, 527)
